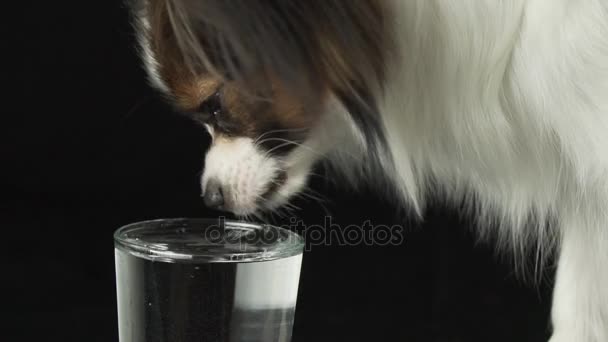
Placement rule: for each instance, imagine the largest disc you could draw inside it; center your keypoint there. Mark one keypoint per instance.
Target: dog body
(498, 105)
(507, 108)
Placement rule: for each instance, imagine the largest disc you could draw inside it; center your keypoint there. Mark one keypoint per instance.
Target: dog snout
(214, 194)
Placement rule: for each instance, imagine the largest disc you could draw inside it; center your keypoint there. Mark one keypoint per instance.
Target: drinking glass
(206, 280)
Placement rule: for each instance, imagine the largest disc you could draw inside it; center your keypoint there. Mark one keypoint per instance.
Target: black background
(87, 146)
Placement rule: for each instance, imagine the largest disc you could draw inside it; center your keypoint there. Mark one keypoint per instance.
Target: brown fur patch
(251, 115)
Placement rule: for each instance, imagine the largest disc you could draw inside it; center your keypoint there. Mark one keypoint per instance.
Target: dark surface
(86, 147)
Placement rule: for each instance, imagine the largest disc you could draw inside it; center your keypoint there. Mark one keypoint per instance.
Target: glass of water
(206, 280)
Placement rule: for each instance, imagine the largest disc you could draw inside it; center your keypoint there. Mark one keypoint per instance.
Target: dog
(500, 107)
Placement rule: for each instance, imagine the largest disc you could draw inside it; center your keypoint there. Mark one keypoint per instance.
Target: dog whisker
(285, 130)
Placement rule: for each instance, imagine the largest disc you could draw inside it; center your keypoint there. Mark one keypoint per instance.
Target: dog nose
(214, 196)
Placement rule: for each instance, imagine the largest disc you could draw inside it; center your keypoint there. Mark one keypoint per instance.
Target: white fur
(150, 62)
(267, 285)
(243, 170)
(504, 104)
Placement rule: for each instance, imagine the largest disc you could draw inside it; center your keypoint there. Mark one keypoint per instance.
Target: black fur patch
(363, 109)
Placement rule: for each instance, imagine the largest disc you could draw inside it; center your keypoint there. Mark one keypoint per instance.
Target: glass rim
(292, 243)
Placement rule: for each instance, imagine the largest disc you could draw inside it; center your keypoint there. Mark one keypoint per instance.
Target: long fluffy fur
(498, 105)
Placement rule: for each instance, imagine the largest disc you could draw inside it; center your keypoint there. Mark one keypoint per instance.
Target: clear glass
(182, 280)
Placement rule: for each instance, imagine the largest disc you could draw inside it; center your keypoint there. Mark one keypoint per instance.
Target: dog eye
(212, 106)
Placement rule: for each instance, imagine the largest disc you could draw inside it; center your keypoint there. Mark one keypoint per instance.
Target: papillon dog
(500, 107)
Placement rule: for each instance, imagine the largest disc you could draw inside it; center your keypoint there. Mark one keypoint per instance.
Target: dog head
(278, 85)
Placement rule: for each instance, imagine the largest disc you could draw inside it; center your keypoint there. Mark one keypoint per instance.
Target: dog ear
(311, 46)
